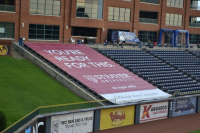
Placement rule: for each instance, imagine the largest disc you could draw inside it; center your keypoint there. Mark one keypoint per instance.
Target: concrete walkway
(110, 46)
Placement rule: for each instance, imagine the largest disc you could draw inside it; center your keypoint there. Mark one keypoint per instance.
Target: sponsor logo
(154, 110)
(35, 129)
(91, 78)
(109, 78)
(3, 50)
(118, 116)
(146, 111)
(72, 122)
(123, 87)
(28, 130)
(159, 108)
(55, 126)
(184, 104)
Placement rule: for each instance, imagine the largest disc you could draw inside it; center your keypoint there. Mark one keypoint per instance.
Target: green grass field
(197, 131)
(24, 87)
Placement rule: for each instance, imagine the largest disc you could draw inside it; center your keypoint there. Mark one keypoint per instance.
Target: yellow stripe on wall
(117, 117)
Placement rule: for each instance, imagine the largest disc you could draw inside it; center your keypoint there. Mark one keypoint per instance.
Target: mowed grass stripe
(197, 131)
(24, 87)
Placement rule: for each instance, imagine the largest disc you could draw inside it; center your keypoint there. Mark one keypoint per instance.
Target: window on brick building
(84, 31)
(7, 5)
(175, 3)
(195, 4)
(144, 36)
(45, 7)
(43, 32)
(194, 21)
(194, 38)
(173, 19)
(89, 9)
(119, 14)
(148, 17)
(150, 1)
(7, 30)
(7, 2)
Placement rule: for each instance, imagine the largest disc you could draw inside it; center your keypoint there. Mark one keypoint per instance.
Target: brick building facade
(145, 18)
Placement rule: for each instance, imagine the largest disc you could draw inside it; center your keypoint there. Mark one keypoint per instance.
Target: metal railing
(8, 8)
(194, 24)
(194, 7)
(69, 107)
(52, 109)
(150, 1)
(148, 20)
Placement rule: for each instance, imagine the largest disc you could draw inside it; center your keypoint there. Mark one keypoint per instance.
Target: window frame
(194, 38)
(41, 8)
(176, 3)
(117, 14)
(174, 19)
(41, 30)
(144, 36)
(90, 10)
(4, 35)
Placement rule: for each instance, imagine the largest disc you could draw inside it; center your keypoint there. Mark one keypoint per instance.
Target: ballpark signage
(73, 123)
(117, 117)
(3, 50)
(99, 73)
(38, 126)
(154, 111)
(184, 106)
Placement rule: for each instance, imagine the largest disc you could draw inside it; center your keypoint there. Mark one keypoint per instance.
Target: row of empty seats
(159, 71)
(197, 53)
(182, 60)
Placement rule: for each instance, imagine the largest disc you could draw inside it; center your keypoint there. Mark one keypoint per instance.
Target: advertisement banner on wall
(184, 106)
(73, 123)
(38, 126)
(4, 49)
(117, 117)
(153, 111)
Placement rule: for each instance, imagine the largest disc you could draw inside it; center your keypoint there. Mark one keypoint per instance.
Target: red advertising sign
(99, 73)
(153, 111)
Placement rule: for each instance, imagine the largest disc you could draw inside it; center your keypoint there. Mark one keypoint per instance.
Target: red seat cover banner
(97, 72)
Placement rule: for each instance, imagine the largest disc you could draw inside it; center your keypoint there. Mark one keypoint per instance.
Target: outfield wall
(91, 120)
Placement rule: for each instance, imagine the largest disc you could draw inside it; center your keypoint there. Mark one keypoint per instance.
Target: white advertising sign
(73, 123)
(154, 111)
(134, 96)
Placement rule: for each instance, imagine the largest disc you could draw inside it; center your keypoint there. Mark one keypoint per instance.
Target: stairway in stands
(156, 70)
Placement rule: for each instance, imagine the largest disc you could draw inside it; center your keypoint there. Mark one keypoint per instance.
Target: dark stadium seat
(154, 67)
(185, 61)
